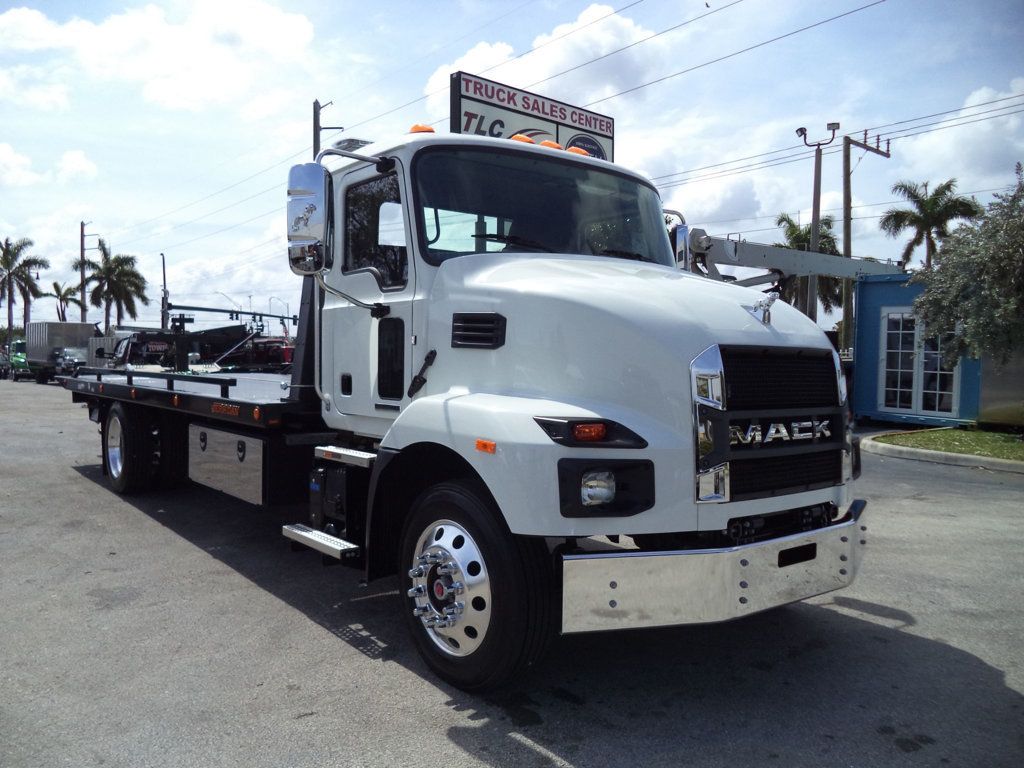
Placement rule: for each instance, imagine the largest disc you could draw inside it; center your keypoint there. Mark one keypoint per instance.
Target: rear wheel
(478, 599)
(129, 450)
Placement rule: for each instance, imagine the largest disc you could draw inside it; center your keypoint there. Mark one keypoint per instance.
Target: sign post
(487, 108)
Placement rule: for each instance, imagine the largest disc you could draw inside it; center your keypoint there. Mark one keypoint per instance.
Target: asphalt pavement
(179, 629)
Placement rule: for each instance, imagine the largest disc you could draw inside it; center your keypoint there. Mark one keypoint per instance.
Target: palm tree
(16, 269)
(830, 289)
(929, 217)
(116, 282)
(65, 295)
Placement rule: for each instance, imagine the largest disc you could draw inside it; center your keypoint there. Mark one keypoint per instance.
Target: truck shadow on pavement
(841, 681)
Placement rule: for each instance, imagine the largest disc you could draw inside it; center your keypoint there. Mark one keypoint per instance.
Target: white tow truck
(507, 392)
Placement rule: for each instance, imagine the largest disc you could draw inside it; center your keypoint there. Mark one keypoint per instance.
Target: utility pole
(81, 265)
(811, 307)
(846, 335)
(165, 312)
(317, 108)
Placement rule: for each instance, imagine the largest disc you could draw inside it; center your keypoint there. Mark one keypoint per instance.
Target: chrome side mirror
(308, 190)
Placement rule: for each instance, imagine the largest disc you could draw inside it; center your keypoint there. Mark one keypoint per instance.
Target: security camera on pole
(811, 309)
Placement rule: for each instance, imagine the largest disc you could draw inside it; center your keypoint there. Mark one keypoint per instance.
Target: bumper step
(345, 455)
(320, 541)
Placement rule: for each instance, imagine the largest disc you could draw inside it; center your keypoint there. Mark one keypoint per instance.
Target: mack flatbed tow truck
(505, 391)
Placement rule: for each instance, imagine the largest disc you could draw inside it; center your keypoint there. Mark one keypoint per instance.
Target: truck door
(366, 360)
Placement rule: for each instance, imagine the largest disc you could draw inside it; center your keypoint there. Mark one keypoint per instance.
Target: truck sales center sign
(487, 108)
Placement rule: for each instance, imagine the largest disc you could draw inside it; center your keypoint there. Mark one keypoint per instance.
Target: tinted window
(363, 241)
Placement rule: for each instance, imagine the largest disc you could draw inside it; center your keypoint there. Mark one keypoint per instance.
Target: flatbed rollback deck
(506, 391)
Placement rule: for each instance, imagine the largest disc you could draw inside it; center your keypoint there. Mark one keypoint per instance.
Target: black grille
(775, 475)
(478, 330)
(762, 379)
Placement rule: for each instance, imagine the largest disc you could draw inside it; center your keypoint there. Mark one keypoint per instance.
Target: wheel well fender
(398, 479)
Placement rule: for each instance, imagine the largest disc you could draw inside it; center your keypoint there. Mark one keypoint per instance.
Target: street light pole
(811, 309)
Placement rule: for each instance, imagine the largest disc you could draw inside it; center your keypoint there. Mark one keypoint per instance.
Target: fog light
(597, 488)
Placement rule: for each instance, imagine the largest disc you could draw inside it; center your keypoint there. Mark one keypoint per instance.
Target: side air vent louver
(478, 330)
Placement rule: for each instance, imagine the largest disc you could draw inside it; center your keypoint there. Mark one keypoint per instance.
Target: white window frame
(917, 388)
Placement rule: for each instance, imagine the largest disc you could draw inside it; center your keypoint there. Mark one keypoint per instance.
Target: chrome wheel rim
(115, 449)
(451, 588)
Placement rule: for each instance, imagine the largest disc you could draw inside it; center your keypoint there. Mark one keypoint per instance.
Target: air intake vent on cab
(478, 330)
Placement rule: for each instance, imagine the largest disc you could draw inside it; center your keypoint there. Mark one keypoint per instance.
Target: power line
(795, 158)
(638, 42)
(733, 54)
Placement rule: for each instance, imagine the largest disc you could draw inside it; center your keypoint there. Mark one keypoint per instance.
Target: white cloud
(980, 155)
(218, 53)
(587, 38)
(75, 165)
(32, 87)
(16, 169)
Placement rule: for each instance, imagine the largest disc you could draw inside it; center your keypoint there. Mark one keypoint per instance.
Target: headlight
(597, 488)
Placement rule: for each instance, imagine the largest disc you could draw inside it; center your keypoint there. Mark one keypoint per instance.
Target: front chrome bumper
(628, 589)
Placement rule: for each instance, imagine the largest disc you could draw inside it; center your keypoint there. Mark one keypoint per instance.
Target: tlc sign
(487, 108)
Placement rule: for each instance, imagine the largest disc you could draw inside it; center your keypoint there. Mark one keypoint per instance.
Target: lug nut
(420, 611)
(418, 572)
(455, 609)
(418, 591)
(446, 570)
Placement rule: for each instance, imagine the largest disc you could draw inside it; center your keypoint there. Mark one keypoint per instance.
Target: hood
(600, 327)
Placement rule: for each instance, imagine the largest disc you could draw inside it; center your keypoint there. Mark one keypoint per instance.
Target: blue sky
(170, 126)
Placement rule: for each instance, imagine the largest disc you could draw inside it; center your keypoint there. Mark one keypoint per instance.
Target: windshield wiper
(525, 242)
(624, 254)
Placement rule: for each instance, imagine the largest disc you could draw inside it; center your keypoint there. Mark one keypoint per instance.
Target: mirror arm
(383, 164)
(377, 309)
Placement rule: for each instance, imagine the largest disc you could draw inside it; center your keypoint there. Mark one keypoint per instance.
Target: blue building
(898, 371)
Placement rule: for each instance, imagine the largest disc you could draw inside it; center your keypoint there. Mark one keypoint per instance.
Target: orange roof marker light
(523, 138)
(486, 446)
(421, 128)
(578, 151)
(551, 144)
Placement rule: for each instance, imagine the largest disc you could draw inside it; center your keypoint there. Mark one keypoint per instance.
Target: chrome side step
(345, 455)
(320, 541)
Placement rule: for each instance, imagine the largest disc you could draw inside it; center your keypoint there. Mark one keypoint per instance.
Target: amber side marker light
(486, 446)
(176, 401)
(132, 392)
(523, 138)
(256, 414)
(551, 144)
(421, 128)
(589, 433)
(578, 151)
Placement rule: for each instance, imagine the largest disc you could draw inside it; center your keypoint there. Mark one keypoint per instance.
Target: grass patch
(975, 442)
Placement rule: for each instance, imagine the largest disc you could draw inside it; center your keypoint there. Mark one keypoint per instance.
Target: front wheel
(478, 599)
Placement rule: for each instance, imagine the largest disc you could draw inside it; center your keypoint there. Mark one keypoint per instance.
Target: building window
(914, 377)
(899, 360)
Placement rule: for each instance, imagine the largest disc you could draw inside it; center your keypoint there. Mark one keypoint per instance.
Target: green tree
(116, 283)
(975, 293)
(929, 216)
(65, 296)
(830, 289)
(16, 275)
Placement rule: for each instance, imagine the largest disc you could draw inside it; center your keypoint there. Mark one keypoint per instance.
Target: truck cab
(511, 317)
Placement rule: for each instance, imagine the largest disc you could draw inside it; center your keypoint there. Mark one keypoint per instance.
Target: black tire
(129, 452)
(505, 622)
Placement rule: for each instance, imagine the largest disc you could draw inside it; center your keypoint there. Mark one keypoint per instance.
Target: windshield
(477, 201)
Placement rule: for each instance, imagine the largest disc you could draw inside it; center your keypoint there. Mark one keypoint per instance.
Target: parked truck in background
(506, 392)
(53, 347)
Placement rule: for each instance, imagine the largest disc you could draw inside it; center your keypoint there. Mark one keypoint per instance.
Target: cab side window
(370, 232)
